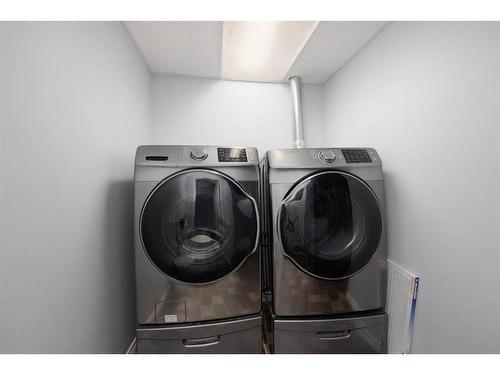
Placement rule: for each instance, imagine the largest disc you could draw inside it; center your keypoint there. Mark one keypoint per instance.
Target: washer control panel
(226, 154)
(198, 154)
(356, 156)
(327, 156)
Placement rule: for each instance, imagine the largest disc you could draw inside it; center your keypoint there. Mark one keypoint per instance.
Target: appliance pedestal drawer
(361, 334)
(226, 337)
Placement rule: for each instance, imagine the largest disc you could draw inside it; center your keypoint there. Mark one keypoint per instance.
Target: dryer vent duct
(295, 94)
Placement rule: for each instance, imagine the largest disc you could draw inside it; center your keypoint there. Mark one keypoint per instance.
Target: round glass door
(330, 224)
(198, 226)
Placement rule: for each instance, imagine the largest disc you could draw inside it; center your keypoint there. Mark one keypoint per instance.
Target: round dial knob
(327, 156)
(198, 154)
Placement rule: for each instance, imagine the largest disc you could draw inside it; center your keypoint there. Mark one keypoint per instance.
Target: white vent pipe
(295, 94)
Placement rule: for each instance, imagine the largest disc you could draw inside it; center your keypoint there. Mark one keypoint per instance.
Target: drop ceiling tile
(179, 47)
(333, 44)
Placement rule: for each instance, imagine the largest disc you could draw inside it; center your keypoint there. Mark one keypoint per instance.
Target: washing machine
(324, 250)
(197, 252)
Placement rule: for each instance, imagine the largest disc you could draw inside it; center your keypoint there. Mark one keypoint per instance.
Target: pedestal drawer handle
(205, 341)
(335, 335)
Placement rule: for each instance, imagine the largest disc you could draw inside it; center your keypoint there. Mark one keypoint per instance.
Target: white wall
(427, 96)
(208, 111)
(76, 103)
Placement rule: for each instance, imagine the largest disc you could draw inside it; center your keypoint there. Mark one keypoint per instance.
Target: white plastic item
(401, 305)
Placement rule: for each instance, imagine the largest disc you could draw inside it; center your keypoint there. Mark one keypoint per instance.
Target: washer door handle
(197, 343)
(335, 335)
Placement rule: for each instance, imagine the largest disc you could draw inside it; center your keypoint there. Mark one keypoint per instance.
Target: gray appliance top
(196, 156)
(323, 158)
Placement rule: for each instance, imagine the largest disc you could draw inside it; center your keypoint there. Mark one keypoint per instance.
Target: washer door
(330, 224)
(198, 226)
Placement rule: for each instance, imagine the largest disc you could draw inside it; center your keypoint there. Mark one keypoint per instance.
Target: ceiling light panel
(262, 51)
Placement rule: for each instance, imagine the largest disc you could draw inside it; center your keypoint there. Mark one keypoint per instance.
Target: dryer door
(198, 226)
(330, 224)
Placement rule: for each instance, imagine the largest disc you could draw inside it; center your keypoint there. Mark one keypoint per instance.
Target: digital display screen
(356, 156)
(232, 154)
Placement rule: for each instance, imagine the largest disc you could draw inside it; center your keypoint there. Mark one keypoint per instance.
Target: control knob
(327, 156)
(198, 154)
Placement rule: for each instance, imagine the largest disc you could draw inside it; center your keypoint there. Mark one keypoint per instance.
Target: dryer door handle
(334, 335)
(205, 341)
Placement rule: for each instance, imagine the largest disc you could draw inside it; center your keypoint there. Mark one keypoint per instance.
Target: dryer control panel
(351, 157)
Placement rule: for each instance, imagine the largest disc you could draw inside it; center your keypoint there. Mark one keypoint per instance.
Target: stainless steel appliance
(324, 249)
(197, 252)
